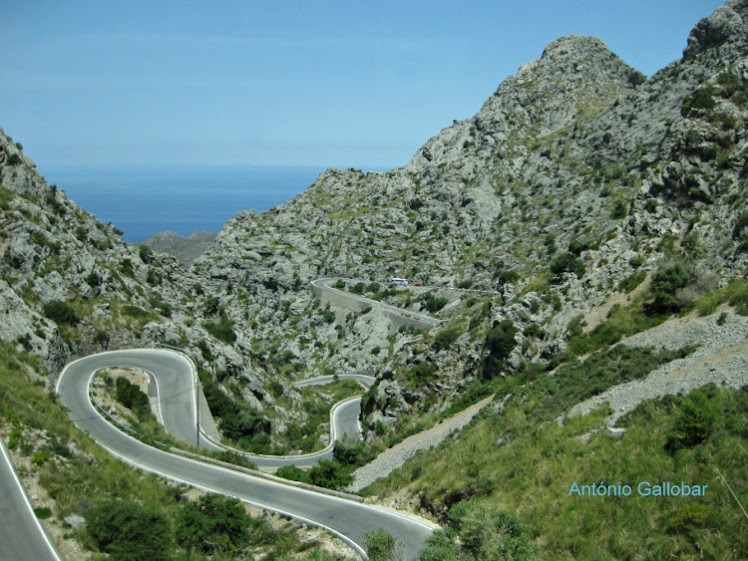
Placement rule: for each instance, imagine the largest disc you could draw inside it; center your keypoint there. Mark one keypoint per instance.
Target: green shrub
(689, 517)
(567, 263)
(433, 303)
(702, 98)
(135, 311)
(43, 512)
(740, 225)
(213, 524)
(445, 337)
(632, 281)
(61, 313)
(380, 545)
(500, 342)
(145, 253)
(358, 288)
(440, 546)
(130, 395)
(293, 473)
(128, 531)
(351, 454)
(488, 533)
(737, 295)
(330, 474)
(507, 276)
(222, 330)
(422, 371)
(665, 285)
(328, 316)
(697, 419)
(619, 211)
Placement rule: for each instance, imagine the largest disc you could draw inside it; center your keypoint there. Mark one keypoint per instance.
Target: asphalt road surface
(22, 537)
(348, 519)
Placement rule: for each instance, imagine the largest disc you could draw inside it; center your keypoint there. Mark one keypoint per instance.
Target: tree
(665, 285)
(128, 531)
(213, 524)
(500, 343)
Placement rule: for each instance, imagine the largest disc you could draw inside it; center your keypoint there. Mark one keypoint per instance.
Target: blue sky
(328, 83)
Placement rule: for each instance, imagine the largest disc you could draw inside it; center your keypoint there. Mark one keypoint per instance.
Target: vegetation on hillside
(130, 515)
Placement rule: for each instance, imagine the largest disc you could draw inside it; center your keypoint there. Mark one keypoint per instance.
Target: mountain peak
(573, 46)
(726, 28)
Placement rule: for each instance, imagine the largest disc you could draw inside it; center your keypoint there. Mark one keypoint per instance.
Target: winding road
(175, 378)
(343, 424)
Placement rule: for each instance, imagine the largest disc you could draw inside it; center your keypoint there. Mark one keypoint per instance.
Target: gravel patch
(391, 459)
(722, 358)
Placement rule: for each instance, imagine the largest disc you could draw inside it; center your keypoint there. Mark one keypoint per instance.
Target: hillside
(584, 211)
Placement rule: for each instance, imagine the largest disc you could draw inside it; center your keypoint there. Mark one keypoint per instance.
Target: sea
(142, 201)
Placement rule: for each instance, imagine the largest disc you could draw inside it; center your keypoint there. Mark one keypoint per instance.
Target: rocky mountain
(578, 162)
(577, 174)
(185, 248)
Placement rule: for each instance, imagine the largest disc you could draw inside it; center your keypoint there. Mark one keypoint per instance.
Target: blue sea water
(144, 201)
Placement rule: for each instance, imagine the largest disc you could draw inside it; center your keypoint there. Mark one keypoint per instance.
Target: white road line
(22, 490)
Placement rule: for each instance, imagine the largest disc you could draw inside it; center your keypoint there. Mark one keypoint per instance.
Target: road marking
(26, 499)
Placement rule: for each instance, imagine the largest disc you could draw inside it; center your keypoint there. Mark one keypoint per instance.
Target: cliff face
(578, 152)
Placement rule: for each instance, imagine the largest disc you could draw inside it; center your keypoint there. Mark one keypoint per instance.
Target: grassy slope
(523, 462)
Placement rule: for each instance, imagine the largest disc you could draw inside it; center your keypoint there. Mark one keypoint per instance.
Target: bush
(135, 311)
(213, 524)
(632, 281)
(702, 98)
(330, 474)
(445, 337)
(128, 531)
(488, 533)
(619, 211)
(380, 545)
(350, 455)
(244, 422)
(293, 473)
(146, 254)
(697, 419)
(433, 303)
(665, 285)
(740, 225)
(507, 276)
(130, 395)
(567, 263)
(61, 313)
(500, 343)
(423, 371)
(222, 330)
(440, 547)
(358, 288)
(328, 316)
